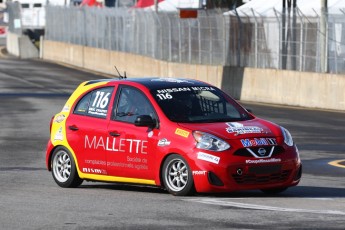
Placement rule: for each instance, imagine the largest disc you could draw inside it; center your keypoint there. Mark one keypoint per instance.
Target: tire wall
(310, 90)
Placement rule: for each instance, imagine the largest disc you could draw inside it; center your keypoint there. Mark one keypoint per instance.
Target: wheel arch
(160, 176)
(49, 160)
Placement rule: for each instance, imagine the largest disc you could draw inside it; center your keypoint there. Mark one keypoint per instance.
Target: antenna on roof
(120, 76)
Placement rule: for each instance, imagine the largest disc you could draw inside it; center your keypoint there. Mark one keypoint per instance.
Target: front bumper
(247, 173)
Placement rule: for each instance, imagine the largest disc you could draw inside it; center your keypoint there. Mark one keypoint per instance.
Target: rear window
(95, 103)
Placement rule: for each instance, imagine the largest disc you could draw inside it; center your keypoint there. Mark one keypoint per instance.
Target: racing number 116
(163, 96)
(101, 100)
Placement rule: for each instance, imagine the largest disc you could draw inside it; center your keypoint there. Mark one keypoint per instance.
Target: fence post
(238, 48)
(280, 38)
(255, 40)
(179, 41)
(170, 38)
(199, 39)
(189, 42)
(301, 63)
(324, 36)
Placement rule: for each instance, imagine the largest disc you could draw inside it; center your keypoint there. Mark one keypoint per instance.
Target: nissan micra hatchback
(181, 134)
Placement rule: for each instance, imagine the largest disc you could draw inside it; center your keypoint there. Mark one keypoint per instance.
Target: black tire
(273, 191)
(64, 170)
(177, 176)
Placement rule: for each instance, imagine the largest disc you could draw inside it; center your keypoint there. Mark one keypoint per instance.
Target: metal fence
(14, 17)
(279, 42)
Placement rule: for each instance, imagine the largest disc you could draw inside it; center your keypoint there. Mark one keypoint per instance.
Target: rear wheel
(64, 170)
(177, 176)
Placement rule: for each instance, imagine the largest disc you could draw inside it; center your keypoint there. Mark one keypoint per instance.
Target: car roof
(153, 83)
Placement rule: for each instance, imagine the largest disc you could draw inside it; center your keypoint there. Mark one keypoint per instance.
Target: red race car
(181, 134)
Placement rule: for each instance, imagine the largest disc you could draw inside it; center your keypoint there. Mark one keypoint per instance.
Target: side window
(83, 105)
(132, 103)
(95, 103)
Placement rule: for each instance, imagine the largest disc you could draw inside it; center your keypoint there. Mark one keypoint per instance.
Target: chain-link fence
(14, 18)
(291, 42)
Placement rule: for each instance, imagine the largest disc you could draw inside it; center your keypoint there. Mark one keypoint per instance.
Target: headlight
(287, 137)
(209, 142)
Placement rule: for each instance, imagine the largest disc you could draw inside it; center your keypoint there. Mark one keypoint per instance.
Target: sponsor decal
(133, 159)
(95, 162)
(262, 161)
(165, 94)
(163, 142)
(93, 170)
(258, 142)
(238, 128)
(199, 173)
(184, 89)
(150, 134)
(113, 144)
(59, 118)
(208, 157)
(174, 90)
(98, 112)
(129, 165)
(181, 132)
(58, 135)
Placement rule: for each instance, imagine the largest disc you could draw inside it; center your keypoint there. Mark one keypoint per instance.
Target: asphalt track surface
(31, 91)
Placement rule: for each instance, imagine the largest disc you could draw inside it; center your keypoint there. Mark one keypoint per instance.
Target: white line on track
(226, 202)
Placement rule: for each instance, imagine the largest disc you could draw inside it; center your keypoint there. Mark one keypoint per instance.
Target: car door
(133, 148)
(86, 129)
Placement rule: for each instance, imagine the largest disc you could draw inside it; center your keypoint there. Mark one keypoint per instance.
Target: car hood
(237, 130)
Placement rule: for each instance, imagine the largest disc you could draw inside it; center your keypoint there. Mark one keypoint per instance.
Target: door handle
(73, 127)
(114, 133)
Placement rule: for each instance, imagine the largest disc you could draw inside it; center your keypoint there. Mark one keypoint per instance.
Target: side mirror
(145, 121)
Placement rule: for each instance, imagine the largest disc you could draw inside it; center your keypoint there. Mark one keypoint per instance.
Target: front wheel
(177, 176)
(64, 170)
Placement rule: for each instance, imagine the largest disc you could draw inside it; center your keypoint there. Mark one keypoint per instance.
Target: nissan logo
(262, 151)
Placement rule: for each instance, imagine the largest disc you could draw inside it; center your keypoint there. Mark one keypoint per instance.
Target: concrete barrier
(21, 46)
(12, 44)
(311, 90)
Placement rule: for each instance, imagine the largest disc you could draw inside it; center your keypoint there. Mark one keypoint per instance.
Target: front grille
(262, 179)
(245, 153)
(265, 169)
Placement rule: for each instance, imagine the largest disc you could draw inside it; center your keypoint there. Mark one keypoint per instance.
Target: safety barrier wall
(305, 89)
(12, 44)
(20, 46)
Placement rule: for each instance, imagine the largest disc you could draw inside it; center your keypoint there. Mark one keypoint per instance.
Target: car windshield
(199, 104)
